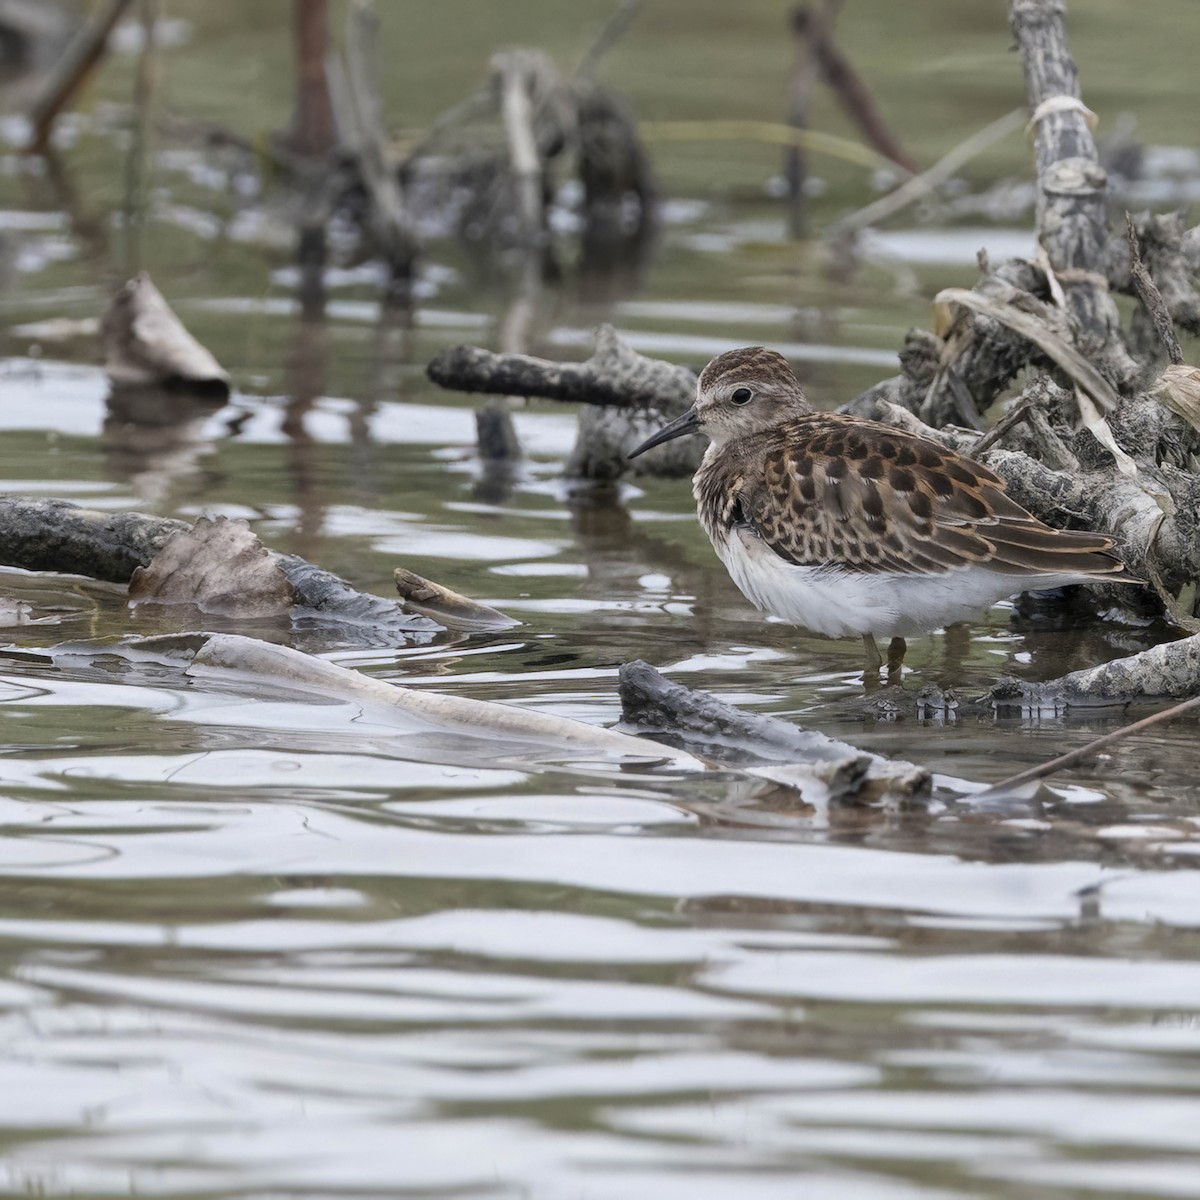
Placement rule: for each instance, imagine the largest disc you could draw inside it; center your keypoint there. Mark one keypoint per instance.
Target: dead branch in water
(625, 395)
(1166, 671)
(851, 90)
(653, 704)
(615, 375)
(53, 535)
(313, 134)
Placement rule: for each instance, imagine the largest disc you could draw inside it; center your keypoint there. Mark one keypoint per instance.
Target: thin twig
(925, 183)
(773, 133)
(1149, 294)
(1076, 756)
(1013, 417)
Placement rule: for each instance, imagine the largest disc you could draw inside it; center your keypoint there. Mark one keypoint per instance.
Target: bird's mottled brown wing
(840, 489)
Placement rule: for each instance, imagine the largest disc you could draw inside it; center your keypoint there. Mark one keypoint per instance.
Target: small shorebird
(845, 526)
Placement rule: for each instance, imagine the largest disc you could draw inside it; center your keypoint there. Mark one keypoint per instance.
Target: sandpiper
(846, 526)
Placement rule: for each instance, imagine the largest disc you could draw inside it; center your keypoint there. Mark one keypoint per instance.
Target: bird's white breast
(839, 603)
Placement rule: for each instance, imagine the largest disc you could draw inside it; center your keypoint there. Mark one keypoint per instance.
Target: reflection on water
(253, 946)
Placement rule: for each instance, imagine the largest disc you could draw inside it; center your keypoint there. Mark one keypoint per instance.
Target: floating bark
(653, 704)
(146, 343)
(218, 566)
(447, 607)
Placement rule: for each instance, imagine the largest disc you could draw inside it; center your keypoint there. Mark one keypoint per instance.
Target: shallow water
(254, 945)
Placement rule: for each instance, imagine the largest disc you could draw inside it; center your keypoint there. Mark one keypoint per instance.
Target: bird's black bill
(689, 422)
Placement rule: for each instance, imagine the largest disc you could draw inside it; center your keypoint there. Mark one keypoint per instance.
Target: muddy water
(251, 945)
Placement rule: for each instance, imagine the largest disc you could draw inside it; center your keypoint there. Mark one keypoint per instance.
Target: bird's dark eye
(742, 395)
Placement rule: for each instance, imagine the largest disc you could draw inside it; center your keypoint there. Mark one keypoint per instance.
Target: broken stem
(1149, 294)
(1073, 757)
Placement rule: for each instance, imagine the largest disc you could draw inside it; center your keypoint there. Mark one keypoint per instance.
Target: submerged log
(54, 535)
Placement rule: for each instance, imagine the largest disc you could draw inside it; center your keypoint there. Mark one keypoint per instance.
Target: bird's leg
(896, 650)
(874, 660)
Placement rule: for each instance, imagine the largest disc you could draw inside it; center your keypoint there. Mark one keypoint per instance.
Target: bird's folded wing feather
(876, 500)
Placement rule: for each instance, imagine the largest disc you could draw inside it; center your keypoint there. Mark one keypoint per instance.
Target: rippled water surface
(252, 944)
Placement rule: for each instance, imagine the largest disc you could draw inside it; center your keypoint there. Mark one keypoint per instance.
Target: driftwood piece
(652, 704)
(615, 376)
(53, 535)
(146, 343)
(1170, 670)
(1072, 217)
(648, 391)
(218, 566)
(420, 709)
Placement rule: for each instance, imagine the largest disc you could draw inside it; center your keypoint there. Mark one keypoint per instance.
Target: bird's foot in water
(896, 650)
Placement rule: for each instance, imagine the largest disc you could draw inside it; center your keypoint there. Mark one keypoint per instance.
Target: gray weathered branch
(628, 396)
(1072, 217)
(1166, 671)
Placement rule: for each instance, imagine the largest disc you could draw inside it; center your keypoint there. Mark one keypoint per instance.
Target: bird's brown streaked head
(740, 393)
